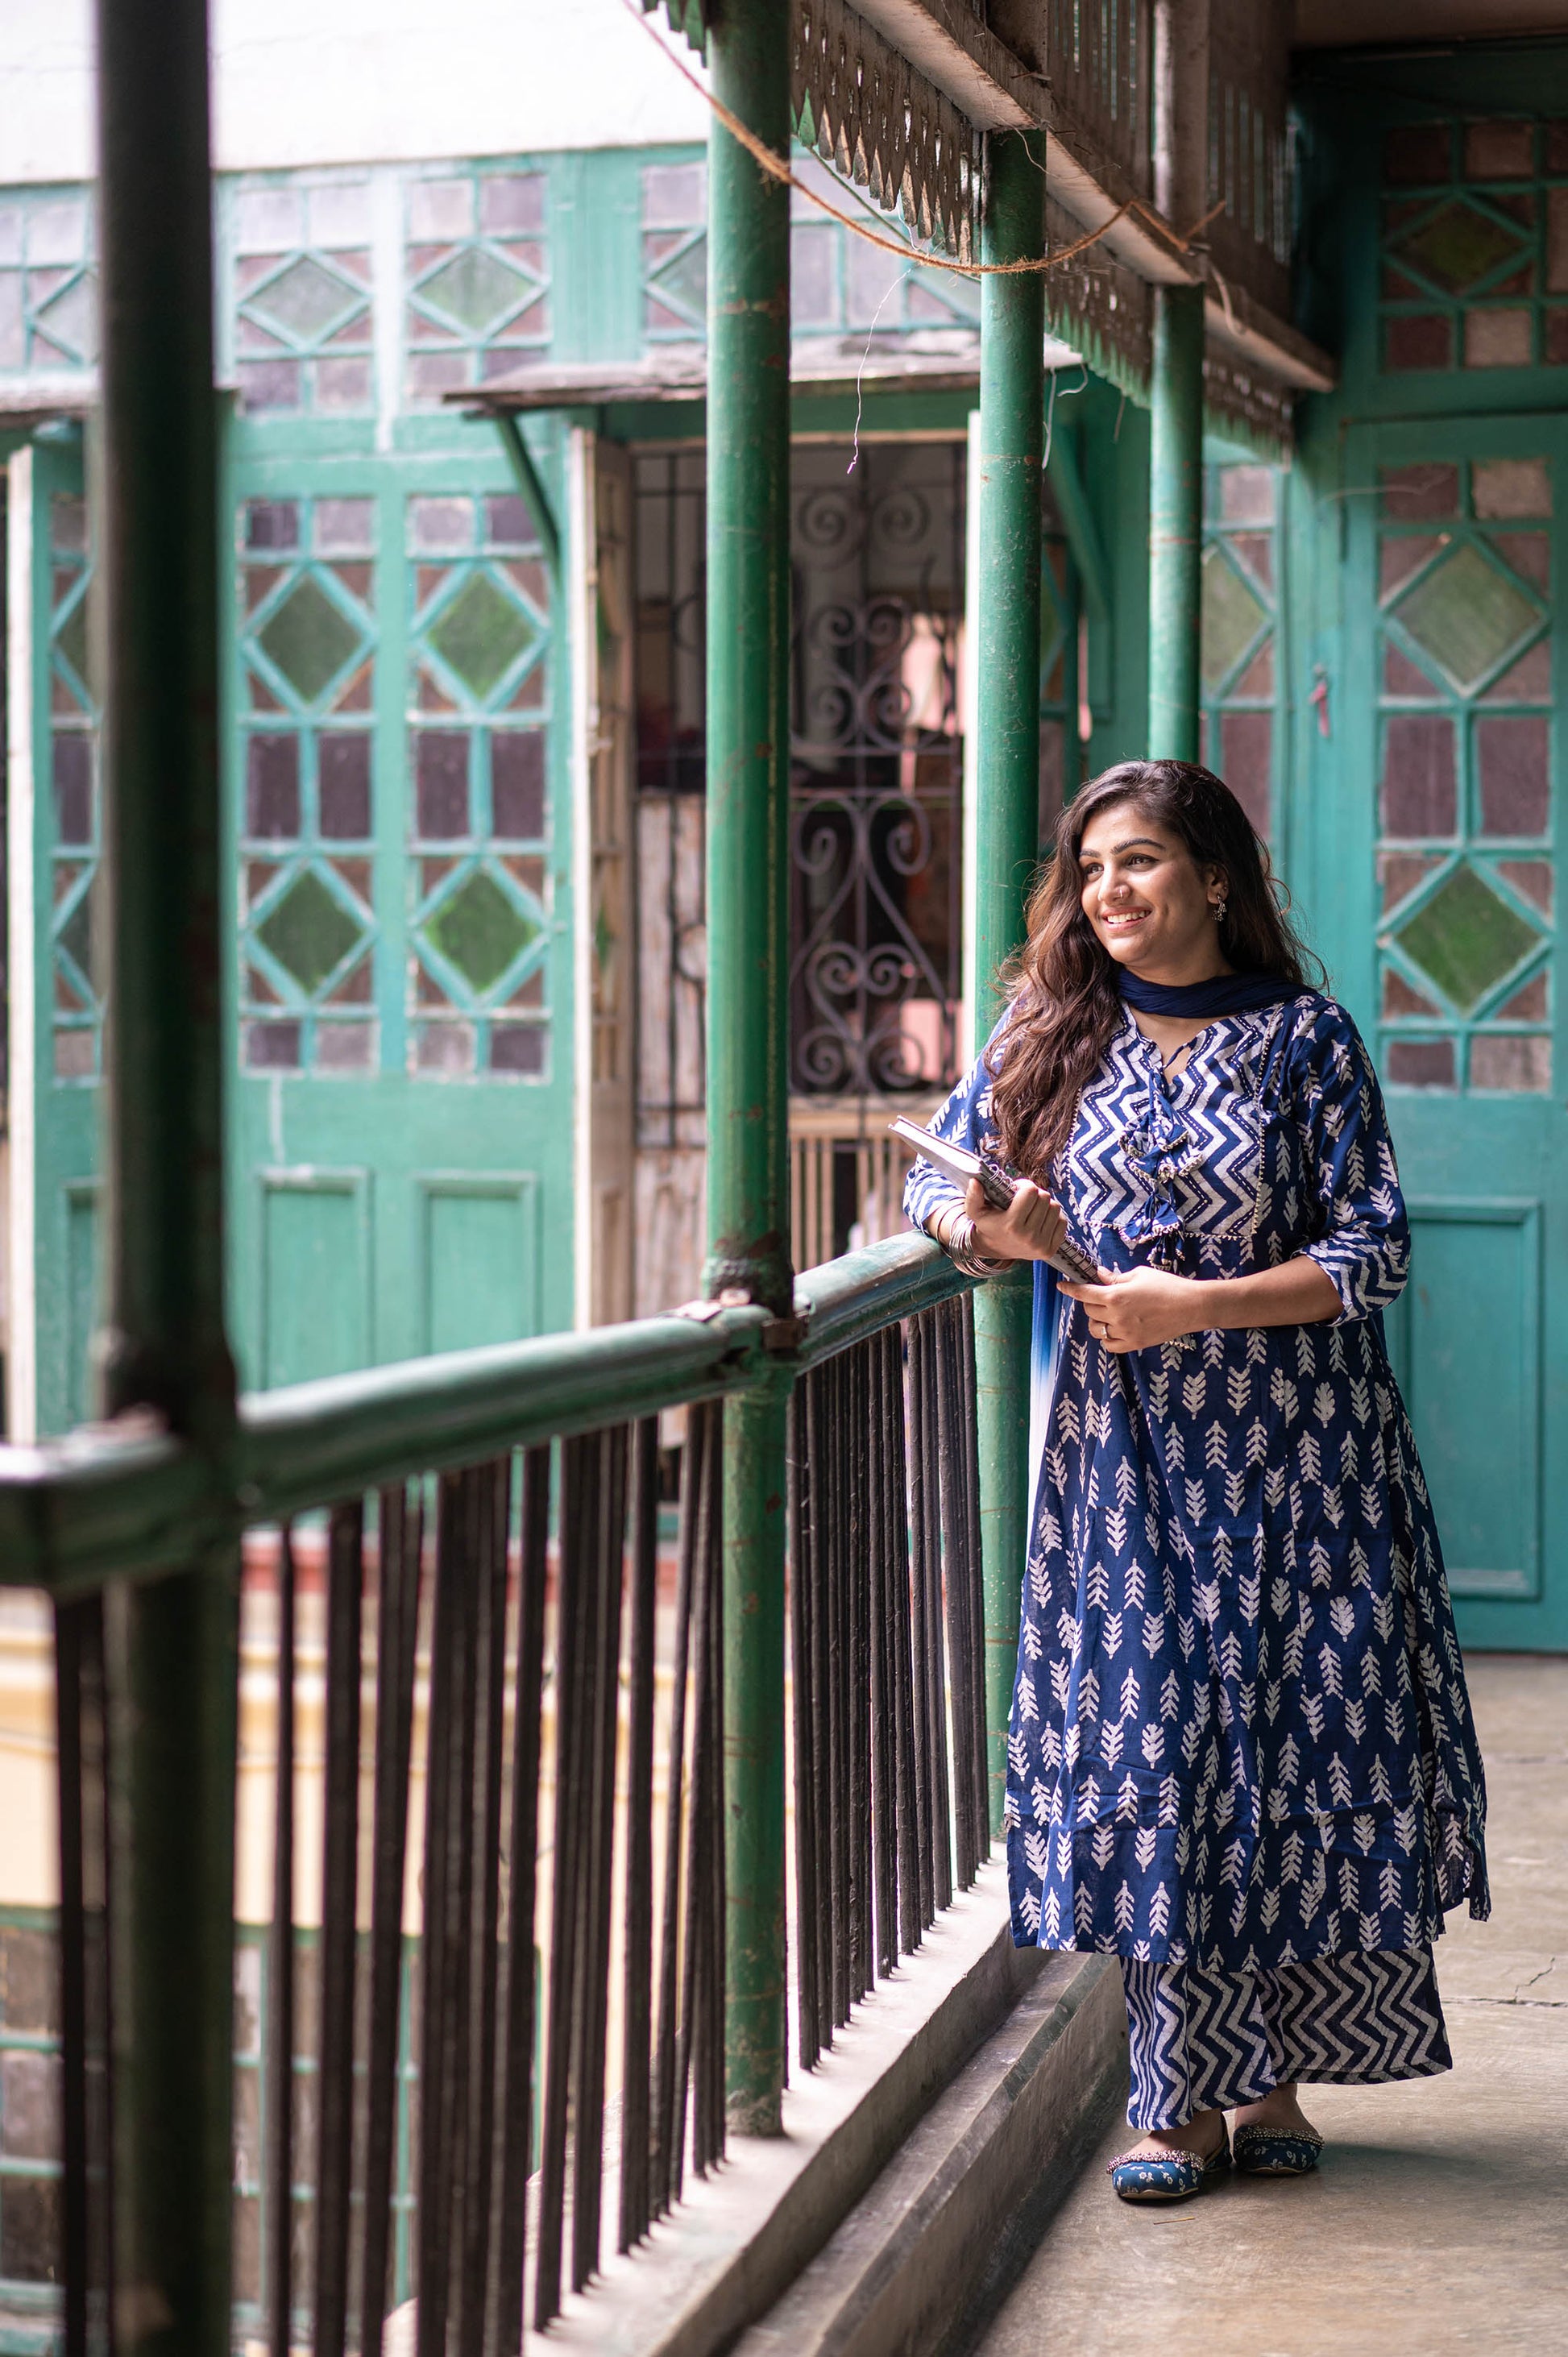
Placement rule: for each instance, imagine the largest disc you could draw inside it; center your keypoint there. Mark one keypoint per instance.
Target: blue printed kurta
(1241, 1736)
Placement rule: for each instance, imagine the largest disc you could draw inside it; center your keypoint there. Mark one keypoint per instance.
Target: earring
(1219, 907)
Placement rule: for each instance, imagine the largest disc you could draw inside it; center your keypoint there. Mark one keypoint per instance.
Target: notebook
(957, 1163)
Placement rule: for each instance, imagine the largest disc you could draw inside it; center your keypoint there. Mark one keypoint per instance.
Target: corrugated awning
(941, 363)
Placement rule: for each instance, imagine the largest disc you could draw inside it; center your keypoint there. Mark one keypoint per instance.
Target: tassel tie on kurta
(1159, 1151)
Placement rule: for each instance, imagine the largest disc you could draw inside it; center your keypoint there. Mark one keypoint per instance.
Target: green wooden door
(1438, 836)
(401, 1109)
(55, 1013)
(402, 1123)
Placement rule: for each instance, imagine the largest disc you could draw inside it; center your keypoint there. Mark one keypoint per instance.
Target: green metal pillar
(1176, 524)
(1006, 832)
(747, 1003)
(170, 1646)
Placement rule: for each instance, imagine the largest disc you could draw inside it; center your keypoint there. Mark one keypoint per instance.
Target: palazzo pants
(1205, 2040)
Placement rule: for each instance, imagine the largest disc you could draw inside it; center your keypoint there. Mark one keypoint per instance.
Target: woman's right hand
(1031, 1228)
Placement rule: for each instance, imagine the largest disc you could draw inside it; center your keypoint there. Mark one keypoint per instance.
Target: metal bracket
(520, 459)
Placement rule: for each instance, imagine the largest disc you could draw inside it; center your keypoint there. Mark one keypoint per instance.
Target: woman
(1241, 1755)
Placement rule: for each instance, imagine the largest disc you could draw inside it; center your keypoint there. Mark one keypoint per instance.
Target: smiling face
(1149, 903)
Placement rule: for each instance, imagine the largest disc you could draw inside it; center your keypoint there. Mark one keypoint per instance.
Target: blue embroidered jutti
(1240, 1739)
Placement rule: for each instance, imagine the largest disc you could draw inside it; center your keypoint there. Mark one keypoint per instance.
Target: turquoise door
(54, 1012)
(402, 1102)
(403, 1110)
(1436, 843)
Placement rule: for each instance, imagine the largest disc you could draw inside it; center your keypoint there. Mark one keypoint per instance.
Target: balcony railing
(508, 2010)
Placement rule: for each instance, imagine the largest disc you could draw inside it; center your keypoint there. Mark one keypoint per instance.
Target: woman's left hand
(1132, 1308)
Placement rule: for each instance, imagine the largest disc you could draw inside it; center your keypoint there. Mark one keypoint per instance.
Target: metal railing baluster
(518, 2010)
(805, 1692)
(608, 1574)
(489, 1493)
(669, 2117)
(636, 1981)
(277, 2164)
(400, 1530)
(961, 1311)
(81, 1733)
(574, 1601)
(442, 1946)
(334, 2093)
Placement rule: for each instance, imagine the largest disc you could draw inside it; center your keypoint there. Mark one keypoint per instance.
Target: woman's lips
(1121, 921)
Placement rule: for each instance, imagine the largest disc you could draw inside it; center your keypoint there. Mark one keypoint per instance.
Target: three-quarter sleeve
(1362, 1238)
(964, 1120)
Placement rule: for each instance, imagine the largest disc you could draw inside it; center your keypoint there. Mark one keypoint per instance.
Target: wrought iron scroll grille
(877, 768)
(877, 748)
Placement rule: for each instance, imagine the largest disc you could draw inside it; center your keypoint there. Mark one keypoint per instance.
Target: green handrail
(124, 1500)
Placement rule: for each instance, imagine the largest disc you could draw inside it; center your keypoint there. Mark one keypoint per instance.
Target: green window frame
(1466, 736)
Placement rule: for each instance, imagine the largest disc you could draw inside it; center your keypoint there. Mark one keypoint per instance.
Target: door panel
(1465, 1341)
(1442, 833)
(315, 1275)
(56, 1010)
(78, 1207)
(402, 895)
(481, 1260)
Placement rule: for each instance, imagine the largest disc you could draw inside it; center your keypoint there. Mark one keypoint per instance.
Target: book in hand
(957, 1163)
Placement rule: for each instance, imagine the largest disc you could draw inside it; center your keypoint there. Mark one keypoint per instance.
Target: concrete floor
(1439, 2220)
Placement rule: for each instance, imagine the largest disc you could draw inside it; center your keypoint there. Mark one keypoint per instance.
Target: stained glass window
(303, 294)
(48, 280)
(1237, 665)
(477, 273)
(1466, 737)
(479, 811)
(1475, 246)
(76, 986)
(307, 921)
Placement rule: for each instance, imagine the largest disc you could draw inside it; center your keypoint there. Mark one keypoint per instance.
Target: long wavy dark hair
(1066, 1000)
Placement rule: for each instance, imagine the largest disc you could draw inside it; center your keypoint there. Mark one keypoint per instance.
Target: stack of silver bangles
(959, 1247)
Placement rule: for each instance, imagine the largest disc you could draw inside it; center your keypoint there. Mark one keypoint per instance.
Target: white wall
(345, 82)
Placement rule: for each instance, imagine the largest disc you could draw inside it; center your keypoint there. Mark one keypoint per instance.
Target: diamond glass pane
(306, 299)
(475, 288)
(75, 936)
(1465, 615)
(1465, 938)
(1457, 246)
(481, 634)
(309, 932)
(308, 639)
(481, 931)
(1232, 617)
(684, 281)
(71, 639)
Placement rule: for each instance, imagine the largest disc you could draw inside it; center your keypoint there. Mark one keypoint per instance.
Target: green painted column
(1176, 524)
(747, 1000)
(1007, 835)
(170, 1646)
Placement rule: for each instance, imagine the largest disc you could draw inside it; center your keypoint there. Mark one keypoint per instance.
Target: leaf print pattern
(1240, 1737)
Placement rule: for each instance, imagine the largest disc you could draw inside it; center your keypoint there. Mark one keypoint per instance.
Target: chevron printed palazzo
(1205, 2041)
(1240, 1739)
